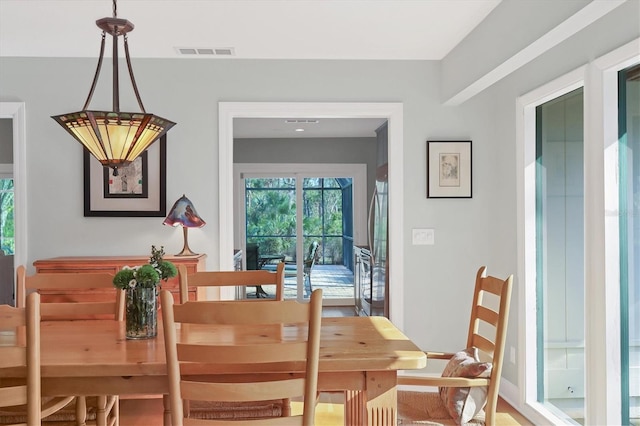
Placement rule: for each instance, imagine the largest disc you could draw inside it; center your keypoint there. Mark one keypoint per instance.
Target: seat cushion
(427, 408)
(464, 403)
(235, 410)
(63, 417)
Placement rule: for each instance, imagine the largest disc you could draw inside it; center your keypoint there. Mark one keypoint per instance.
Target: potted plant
(141, 284)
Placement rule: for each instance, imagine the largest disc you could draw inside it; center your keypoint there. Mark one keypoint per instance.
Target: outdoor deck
(336, 281)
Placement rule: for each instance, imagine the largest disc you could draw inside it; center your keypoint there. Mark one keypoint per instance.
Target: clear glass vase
(141, 313)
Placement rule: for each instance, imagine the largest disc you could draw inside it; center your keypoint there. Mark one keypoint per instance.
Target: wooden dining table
(358, 355)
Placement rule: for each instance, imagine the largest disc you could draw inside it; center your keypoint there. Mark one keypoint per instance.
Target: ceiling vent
(205, 51)
(301, 121)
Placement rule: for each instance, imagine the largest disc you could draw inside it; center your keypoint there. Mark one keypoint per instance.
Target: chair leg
(286, 407)
(307, 282)
(112, 410)
(186, 407)
(101, 411)
(81, 411)
(115, 411)
(166, 414)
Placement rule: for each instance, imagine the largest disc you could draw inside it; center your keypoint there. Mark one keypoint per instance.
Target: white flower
(132, 284)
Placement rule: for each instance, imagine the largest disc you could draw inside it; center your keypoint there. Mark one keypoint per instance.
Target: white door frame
(392, 111)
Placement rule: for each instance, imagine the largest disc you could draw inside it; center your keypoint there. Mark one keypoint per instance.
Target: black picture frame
(153, 204)
(449, 167)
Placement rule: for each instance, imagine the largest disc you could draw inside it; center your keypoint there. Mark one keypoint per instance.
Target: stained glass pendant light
(115, 138)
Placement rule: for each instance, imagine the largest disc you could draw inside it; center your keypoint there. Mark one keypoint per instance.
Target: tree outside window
(7, 240)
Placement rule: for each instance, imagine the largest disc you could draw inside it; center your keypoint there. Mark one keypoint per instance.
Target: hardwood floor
(148, 412)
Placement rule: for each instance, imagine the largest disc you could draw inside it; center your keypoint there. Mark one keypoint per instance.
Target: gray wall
(438, 278)
(6, 141)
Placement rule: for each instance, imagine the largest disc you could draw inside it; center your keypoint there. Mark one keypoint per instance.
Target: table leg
(377, 405)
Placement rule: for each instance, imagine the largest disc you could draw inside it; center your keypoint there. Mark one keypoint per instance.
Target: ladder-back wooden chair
(102, 409)
(290, 269)
(203, 279)
(471, 378)
(247, 347)
(21, 402)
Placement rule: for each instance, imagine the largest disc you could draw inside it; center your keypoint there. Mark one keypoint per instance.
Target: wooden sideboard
(111, 265)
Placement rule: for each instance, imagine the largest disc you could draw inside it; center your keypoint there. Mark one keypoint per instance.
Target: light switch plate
(423, 236)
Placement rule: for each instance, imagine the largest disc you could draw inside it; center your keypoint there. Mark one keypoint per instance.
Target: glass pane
(270, 207)
(324, 223)
(331, 183)
(560, 259)
(270, 225)
(312, 183)
(312, 212)
(630, 242)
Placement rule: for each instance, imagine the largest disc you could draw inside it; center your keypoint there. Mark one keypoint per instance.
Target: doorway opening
(392, 112)
(16, 174)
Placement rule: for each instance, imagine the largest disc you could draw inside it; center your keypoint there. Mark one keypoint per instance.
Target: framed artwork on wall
(139, 190)
(132, 180)
(448, 169)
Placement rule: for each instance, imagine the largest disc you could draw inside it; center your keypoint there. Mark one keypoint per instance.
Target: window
(606, 362)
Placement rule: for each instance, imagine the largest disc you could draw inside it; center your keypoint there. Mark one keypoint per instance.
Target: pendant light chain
(133, 80)
(97, 74)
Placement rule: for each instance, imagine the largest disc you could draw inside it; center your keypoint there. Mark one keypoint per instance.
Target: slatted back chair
(308, 263)
(256, 317)
(106, 407)
(82, 308)
(21, 403)
(231, 278)
(17, 355)
(471, 378)
(204, 279)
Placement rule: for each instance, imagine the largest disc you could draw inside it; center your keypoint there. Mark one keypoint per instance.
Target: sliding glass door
(306, 222)
(560, 255)
(629, 142)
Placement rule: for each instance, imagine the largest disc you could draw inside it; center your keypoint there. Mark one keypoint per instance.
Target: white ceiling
(252, 29)
(274, 29)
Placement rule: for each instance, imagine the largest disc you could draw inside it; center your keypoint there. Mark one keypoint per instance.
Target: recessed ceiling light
(299, 129)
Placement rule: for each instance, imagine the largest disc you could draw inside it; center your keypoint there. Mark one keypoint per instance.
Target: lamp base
(186, 251)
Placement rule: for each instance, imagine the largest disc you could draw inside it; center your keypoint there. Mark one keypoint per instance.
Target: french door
(307, 219)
